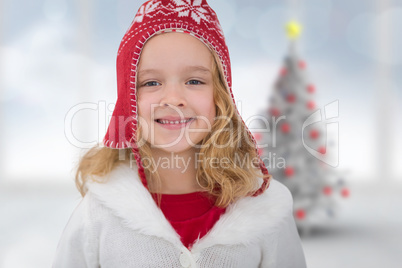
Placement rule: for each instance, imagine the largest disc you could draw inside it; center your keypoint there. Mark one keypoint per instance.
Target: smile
(175, 122)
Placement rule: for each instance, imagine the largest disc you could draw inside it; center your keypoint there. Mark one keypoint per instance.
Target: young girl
(179, 182)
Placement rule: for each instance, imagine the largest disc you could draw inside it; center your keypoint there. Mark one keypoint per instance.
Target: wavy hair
(228, 141)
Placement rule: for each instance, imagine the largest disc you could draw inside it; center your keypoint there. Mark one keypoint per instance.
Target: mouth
(174, 121)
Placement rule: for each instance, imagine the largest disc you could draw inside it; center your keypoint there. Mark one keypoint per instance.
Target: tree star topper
(293, 29)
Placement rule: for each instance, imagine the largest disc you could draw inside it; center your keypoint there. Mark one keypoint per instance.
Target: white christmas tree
(315, 186)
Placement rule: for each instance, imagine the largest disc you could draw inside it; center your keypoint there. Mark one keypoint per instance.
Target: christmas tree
(286, 144)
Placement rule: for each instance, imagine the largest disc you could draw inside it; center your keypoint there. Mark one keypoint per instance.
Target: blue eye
(194, 82)
(151, 84)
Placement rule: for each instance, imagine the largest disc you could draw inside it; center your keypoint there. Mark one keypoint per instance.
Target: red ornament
(322, 150)
(274, 112)
(345, 192)
(289, 171)
(327, 190)
(311, 88)
(284, 71)
(291, 98)
(285, 127)
(302, 64)
(257, 136)
(311, 105)
(300, 214)
(260, 151)
(314, 134)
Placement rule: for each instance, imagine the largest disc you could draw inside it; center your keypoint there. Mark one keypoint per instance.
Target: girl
(179, 182)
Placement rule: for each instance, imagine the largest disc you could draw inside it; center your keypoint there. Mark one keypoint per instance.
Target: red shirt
(192, 215)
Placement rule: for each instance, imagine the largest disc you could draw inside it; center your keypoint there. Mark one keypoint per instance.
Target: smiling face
(175, 92)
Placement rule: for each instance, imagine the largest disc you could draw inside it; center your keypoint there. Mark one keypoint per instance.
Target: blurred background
(58, 87)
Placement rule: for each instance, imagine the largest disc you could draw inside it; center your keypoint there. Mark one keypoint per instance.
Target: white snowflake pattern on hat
(219, 28)
(145, 9)
(185, 8)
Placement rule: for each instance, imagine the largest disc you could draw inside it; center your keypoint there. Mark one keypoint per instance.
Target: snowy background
(58, 56)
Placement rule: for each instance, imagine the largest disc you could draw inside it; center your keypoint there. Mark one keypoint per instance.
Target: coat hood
(194, 17)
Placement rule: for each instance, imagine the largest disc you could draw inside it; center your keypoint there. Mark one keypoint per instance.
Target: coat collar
(243, 222)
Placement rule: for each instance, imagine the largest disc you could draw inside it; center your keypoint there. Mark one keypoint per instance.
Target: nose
(173, 94)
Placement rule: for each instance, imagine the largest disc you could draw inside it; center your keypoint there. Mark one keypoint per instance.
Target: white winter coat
(118, 224)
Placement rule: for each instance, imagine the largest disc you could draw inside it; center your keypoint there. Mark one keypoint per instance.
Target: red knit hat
(194, 17)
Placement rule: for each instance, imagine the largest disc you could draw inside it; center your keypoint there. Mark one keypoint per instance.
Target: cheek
(145, 103)
(211, 109)
(144, 128)
(212, 112)
(144, 117)
(207, 111)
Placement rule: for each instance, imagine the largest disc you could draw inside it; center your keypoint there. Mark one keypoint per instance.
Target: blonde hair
(228, 139)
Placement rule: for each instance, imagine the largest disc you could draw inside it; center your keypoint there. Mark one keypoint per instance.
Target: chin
(176, 147)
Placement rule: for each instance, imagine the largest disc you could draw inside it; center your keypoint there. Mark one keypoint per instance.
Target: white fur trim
(244, 222)
(129, 200)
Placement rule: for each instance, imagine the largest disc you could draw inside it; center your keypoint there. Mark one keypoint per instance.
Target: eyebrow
(197, 68)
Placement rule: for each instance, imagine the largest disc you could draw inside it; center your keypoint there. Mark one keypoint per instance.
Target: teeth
(174, 122)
